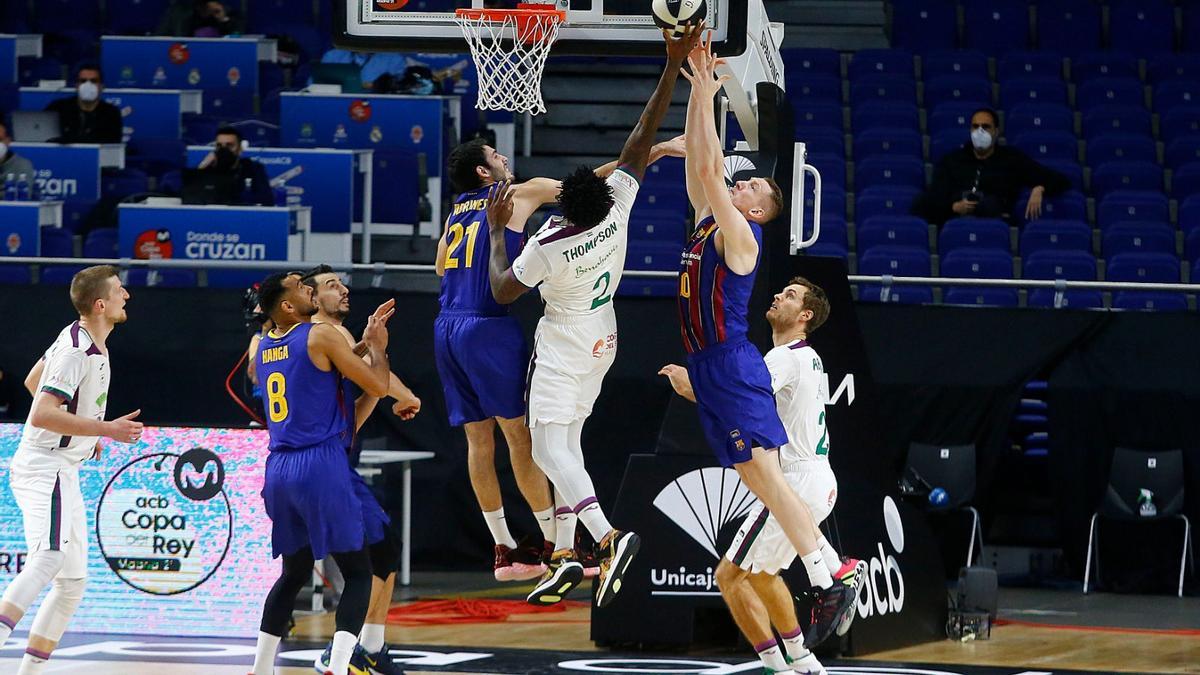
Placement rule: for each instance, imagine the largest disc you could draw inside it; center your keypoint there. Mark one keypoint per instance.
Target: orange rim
(526, 12)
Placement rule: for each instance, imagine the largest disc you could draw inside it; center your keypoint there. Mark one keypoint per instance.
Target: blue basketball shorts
(312, 501)
(481, 361)
(735, 402)
(375, 519)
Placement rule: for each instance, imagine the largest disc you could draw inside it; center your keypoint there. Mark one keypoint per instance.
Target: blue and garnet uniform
(479, 349)
(375, 519)
(729, 377)
(307, 488)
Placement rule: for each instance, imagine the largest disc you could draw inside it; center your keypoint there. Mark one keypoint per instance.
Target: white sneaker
(808, 665)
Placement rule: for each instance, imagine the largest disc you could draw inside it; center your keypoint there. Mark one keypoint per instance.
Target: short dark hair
(230, 131)
(89, 285)
(271, 291)
(776, 199)
(990, 111)
(310, 277)
(89, 65)
(814, 300)
(462, 163)
(585, 199)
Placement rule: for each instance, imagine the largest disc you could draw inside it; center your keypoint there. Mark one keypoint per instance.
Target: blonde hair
(89, 285)
(815, 300)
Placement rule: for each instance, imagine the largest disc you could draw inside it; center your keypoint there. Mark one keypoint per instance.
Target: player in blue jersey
(307, 490)
(729, 377)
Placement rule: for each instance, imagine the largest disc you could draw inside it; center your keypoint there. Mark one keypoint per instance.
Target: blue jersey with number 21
(466, 286)
(304, 404)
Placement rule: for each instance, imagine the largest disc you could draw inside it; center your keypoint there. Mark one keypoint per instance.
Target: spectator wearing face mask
(227, 157)
(84, 118)
(11, 164)
(984, 179)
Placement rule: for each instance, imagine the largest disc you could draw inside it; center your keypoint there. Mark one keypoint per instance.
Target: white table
(371, 461)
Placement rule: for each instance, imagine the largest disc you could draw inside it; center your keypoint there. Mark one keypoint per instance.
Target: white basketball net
(510, 70)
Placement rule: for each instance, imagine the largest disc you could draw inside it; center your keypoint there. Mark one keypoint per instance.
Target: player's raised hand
(376, 332)
(385, 310)
(704, 79)
(500, 205)
(406, 407)
(673, 148)
(124, 429)
(678, 47)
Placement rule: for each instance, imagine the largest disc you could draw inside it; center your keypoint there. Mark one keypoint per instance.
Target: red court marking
(462, 610)
(1190, 632)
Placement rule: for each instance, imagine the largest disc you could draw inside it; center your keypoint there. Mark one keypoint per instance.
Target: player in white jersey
(577, 260)
(748, 575)
(70, 392)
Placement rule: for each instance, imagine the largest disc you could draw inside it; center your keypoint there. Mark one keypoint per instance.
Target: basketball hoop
(509, 47)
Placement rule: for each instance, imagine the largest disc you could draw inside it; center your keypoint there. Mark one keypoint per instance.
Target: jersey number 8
(277, 407)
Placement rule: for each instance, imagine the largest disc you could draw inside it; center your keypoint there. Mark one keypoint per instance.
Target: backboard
(592, 27)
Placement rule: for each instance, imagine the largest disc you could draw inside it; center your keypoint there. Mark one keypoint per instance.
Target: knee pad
(58, 608)
(40, 568)
(385, 555)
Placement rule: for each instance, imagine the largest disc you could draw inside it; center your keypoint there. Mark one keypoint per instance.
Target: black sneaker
(614, 560)
(829, 607)
(562, 575)
(381, 662)
(585, 553)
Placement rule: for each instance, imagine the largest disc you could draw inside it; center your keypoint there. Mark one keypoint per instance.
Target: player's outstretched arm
(679, 379)
(671, 148)
(48, 414)
(439, 263)
(636, 154)
(691, 159)
(325, 341)
(505, 286)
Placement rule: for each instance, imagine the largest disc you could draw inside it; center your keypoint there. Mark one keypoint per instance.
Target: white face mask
(88, 91)
(981, 139)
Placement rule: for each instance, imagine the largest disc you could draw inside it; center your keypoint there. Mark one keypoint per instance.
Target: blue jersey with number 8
(466, 286)
(305, 405)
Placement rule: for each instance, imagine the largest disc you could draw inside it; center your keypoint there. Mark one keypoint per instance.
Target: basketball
(675, 14)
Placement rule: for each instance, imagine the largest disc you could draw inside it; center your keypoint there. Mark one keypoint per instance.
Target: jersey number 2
(456, 238)
(277, 407)
(823, 444)
(604, 296)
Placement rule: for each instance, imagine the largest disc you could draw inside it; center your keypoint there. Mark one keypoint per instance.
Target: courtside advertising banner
(8, 59)
(66, 172)
(144, 114)
(180, 63)
(19, 226)
(178, 537)
(322, 179)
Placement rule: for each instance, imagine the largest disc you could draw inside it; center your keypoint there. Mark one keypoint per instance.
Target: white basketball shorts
(54, 516)
(760, 544)
(571, 355)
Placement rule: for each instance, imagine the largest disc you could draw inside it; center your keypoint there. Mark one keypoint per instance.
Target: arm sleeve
(624, 186)
(513, 241)
(533, 266)
(64, 372)
(777, 364)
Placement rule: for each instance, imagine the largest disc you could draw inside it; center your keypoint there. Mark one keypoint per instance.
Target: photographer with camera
(983, 179)
(254, 188)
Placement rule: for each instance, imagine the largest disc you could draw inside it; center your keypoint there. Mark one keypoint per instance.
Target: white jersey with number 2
(801, 390)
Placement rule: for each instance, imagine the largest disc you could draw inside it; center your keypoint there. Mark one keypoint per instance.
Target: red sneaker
(517, 564)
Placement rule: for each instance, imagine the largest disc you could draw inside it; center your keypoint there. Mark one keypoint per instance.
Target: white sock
(793, 643)
(556, 450)
(564, 528)
(5, 629)
(818, 574)
(771, 656)
(371, 637)
(498, 526)
(832, 562)
(593, 518)
(343, 649)
(264, 653)
(32, 665)
(545, 521)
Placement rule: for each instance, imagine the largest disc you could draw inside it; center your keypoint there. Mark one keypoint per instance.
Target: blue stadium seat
(259, 133)
(133, 17)
(267, 16)
(906, 294)
(58, 275)
(885, 115)
(646, 224)
(960, 233)
(1185, 181)
(57, 15)
(1070, 264)
(996, 26)
(1038, 117)
(1191, 250)
(15, 275)
(817, 115)
(833, 233)
(668, 170)
(824, 141)
(1124, 205)
(812, 61)
(660, 197)
(172, 278)
(981, 296)
(1145, 26)
(1045, 146)
(824, 88)
(891, 231)
(31, 70)
(882, 88)
(170, 183)
(74, 45)
(923, 25)
(1070, 205)
(653, 255)
(1180, 121)
(200, 130)
(121, 184)
(397, 169)
(833, 200)
(1156, 301)
(869, 62)
(1068, 26)
(229, 101)
(1069, 168)
(100, 243)
(1055, 235)
(1032, 90)
(1022, 64)
(1121, 119)
(1126, 175)
(1109, 91)
(1044, 297)
(1189, 218)
(1163, 67)
(1093, 65)
(1182, 150)
(1138, 237)
(270, 76)
(953, 115)
(982, 264)
(155, 156)
(1147, 267)
(57, 242)
(899, 261)
(832, 168)
(954, 63)
(76, 212)
(946, 142)
(887, 171)
(1115, 147)
(15, 19)
(1176, 93)
(887, 143)
(10, 95)
(1191, 27)
(827, 251)
(870, 203)
(968, 89)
